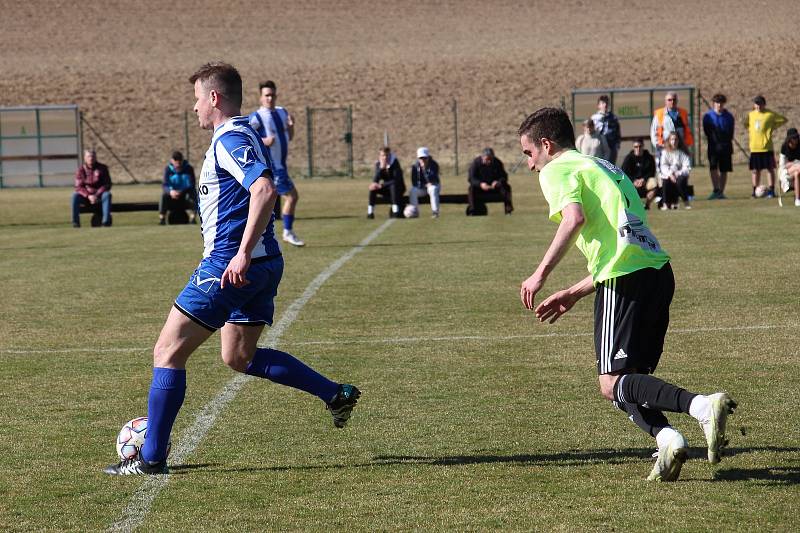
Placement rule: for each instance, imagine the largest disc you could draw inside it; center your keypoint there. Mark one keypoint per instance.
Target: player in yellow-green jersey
(598, 209)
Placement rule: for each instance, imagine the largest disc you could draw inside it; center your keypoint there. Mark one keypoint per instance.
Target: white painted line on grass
(136, 511)
(398, 340)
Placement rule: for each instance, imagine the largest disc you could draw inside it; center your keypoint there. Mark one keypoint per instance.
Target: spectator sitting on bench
(487, 176)
(387, 181)
(640, 166)
(425, 180)
(92, 187)
(179, 192)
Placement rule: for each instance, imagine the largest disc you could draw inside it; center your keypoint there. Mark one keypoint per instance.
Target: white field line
(403, 340)
(136, 511)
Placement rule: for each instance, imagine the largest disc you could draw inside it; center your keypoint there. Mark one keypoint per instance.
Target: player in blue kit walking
(275, 126)
(234, 286)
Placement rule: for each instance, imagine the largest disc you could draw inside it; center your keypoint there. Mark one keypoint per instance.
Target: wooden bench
(462, 199)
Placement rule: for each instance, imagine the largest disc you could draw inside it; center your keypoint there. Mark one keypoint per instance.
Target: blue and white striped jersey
(235, 159)
(268, 122)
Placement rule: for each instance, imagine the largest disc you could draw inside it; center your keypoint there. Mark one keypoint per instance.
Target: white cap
(423, 152)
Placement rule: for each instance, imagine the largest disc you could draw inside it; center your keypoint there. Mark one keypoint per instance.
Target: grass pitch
(474, 416)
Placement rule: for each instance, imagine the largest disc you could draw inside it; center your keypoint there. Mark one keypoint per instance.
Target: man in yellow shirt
(760, 123)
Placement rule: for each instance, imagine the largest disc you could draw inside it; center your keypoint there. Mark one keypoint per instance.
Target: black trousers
(184, 201)
(680, 188)
(394, 192)
(476, 195)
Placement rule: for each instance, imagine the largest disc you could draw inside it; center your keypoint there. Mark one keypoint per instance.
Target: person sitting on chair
(487, 176)
(92, 187)
(179, 189)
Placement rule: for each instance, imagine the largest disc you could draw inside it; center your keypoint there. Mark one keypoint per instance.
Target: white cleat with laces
(670, 459)
(291, 238)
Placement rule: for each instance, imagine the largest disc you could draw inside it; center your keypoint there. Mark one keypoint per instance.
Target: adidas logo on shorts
(620, 354)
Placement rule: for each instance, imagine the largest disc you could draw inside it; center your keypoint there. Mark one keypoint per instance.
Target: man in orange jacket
(668, 119)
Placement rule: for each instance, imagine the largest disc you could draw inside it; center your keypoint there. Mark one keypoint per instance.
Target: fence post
(350, 140)
(455, 135)
(186, 133)
(310, 142)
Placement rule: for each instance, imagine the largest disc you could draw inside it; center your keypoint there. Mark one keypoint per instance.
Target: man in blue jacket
(179, 188)
(718, 126)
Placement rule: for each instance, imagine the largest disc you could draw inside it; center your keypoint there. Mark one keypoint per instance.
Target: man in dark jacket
(640, 166)
(718, 125)
(92, 187)
(487, 177)
(387, 181)
(178, 189)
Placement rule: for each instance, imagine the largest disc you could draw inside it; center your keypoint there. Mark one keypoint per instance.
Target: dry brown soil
(399, 64)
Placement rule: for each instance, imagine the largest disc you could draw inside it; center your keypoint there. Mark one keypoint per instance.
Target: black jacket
(480, 173)
(643, 166)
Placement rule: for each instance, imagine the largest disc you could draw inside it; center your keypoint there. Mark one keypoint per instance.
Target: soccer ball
(411, 211)
(131, 438)
(761, 191)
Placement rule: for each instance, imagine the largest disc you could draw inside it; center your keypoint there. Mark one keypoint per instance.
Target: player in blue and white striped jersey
(234, 286)
(275, 126)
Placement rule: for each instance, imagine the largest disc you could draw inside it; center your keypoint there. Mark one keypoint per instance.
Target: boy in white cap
(425, 180)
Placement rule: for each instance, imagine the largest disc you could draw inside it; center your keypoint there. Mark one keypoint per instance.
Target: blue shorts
(283, 183)
(207, 304)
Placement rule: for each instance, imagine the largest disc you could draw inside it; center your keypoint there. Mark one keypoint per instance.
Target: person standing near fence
(275, 126)
(718, 125)
(760, 123)
(606, 124)
(668, 119)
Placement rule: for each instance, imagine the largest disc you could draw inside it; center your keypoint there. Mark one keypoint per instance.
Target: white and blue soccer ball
(131, 438)
(411, 211)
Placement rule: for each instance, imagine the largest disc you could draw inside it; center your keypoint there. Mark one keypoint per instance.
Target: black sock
(653, 393)
(650, 421)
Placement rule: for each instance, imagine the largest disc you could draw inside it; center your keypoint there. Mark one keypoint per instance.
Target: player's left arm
(569, 228)
(289, 125)
(262, 202)
(562, 301)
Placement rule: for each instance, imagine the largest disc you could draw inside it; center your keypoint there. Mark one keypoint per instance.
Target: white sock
(700, 408)
(665, 436)
(395, 208)
(370, 209)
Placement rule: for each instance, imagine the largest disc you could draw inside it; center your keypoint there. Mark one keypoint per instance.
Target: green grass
(503, 431)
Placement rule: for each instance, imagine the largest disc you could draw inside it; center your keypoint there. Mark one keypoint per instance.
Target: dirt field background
(399, 64)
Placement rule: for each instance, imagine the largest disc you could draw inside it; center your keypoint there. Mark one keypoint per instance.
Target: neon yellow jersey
(615, 238)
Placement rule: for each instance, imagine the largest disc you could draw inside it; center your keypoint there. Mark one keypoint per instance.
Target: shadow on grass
(774, 475)
(568, 458)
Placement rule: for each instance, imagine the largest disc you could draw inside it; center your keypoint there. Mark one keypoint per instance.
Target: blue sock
(288, 220)
(166, 397)
(282, 368)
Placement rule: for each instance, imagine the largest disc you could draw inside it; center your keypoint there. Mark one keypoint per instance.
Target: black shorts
(720, 160)
(762, 161)
(631, 316)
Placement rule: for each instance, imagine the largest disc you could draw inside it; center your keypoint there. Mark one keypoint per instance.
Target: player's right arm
(262, 202)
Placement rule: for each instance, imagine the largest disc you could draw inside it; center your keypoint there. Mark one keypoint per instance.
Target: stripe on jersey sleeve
(239, 156)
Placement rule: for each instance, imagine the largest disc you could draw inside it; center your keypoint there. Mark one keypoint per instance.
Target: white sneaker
(722, 405)
(291, 238)
(797, 202)
(670, 460)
